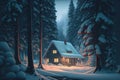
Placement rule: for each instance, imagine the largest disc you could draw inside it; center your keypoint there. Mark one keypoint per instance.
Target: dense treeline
(21, 23)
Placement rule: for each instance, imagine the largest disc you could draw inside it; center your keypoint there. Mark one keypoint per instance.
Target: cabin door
(73, 61)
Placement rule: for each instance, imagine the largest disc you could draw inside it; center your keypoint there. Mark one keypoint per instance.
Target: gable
(49, 52)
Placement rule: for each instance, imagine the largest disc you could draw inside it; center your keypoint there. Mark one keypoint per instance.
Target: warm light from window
(67, 60)
(47, 60)
(54, 52)
(56, 60)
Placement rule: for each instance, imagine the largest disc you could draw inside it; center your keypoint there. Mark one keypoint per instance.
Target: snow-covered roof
(64, 48)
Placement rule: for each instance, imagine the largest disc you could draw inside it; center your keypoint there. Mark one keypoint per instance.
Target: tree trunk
(40, 57)
(16, 35)
(41, 30)
(17, 52)
(98, 65)
(30, 68)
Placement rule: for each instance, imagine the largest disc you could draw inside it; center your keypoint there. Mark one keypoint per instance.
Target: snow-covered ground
(74, 69)
(32, 77)
(77, 73)
(92, 76)
(72, 73)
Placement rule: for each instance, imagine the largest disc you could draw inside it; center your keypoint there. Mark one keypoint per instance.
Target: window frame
(54, 51)
(47, 60)
(56, 60)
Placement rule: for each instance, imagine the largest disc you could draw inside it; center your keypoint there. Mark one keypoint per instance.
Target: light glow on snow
(63, 68)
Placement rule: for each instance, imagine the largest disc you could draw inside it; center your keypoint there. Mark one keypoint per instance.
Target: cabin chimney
(65, 42)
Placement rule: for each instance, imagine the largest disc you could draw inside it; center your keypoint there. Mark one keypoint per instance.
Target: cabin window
(47, 60)
(54, 51)
(67, 60)
(56, 60)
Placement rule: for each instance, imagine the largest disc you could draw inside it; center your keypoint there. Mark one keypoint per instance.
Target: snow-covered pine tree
(3, 31)
(87, 23)
(96, 25)
(106, 38)
(5, 23)
(76, 23)
(23, 30)
(30, 67)
(9, 24)
(48, 21)
(71, 15)
(36, 28)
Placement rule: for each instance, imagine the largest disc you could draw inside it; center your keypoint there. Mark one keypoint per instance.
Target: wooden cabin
(61, 52)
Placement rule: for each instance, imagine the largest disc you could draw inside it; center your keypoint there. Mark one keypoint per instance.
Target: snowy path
(74, 69)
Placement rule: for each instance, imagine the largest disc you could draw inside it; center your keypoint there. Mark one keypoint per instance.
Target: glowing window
(67, 60)
(54, 52)
(47, 60)
(56, 60)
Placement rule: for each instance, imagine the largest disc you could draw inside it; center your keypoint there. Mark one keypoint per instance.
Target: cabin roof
(65, 50)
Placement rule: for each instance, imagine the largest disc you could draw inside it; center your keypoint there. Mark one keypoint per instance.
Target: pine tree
(15, 10)
(36, 28)
(87, 23)
(5, 23)
(30, 68)
(106, 36)
(3, 31)
(9, 25)
(48, 29)
(48, 21)
(23, 31)
(76, 22)
(70, 30)
(95, 29)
